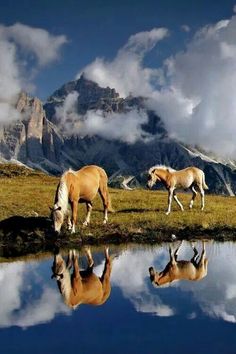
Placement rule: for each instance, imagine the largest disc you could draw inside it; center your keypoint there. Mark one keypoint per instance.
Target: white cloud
(185, 28)
(126, 72)
(18, 43)
(126, 127)
(130, 274)
(13, 310)
(193, 91)
(38, 41)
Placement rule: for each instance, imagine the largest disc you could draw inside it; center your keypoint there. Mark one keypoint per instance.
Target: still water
(183, 316)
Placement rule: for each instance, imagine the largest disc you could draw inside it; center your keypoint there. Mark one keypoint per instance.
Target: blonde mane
(161, 167)
(62, 193)
(65, 286)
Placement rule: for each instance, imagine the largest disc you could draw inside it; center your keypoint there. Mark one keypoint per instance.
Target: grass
(139, 217)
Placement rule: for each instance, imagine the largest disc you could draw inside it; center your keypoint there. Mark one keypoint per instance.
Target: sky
(98, 28)
(181, 55)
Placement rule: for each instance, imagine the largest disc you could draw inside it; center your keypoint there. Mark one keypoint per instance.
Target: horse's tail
(104, 189)
(205, 186)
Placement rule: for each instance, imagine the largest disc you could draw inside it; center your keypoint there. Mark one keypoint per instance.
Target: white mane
(161, 167)
(65, 286)
(62, 194)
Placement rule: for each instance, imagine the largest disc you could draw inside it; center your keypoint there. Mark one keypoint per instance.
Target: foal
(190, 177)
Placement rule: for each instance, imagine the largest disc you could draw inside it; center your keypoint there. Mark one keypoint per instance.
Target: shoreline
(21, 236)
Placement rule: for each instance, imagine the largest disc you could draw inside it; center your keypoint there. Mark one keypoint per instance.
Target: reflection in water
(82, 287)
(195, 269)
(20, 304)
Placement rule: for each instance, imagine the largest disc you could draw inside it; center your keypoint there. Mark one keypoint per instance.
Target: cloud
(23, 50)
(132, 277)
(126, 127)
(192, 91)
(15, 287)
(185, 28)
(126, 72)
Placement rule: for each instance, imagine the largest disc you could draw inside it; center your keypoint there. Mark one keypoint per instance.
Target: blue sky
(99, 28)
(180, 55)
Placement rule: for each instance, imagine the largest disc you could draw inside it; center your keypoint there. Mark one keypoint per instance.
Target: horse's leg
(74, 205)
(195, 255)
(68, 220)
(89, 209)
(172, 256)
(105, 278)
(103, 191)
(177, 250)
(202, 196)
(76, 278)
(170, 195)
(69, 259)
(177, 201)
(89, 257)
(203, 255)
(193, 197)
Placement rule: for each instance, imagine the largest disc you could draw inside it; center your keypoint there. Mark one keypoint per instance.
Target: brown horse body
(190, 177)
(177, 270)
(82, 287)
(79, 187)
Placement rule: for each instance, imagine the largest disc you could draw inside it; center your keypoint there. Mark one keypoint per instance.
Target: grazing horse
(190, 177)
(79, 187)
(176, 270)
(82, 287)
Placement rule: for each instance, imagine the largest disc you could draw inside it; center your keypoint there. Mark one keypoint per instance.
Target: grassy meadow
(139, 214)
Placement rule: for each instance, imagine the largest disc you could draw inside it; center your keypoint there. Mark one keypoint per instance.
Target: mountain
(39, 140)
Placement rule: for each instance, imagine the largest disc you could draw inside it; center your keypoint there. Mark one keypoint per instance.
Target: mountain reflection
(82, 286)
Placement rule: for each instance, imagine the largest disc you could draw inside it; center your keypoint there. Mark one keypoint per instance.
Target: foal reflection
(195, 269)
(82, 287)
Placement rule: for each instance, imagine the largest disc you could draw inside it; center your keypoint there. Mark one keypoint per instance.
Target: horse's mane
(160, 167)
(64, 285)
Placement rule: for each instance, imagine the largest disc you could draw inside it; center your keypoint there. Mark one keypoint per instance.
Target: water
(184, 317)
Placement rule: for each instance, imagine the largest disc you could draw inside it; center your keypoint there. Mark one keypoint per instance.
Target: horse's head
(57, 217)
(161, 279)
(152, 178)
(58, 267)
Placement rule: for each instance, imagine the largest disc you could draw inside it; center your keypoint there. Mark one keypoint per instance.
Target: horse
(76, 187)
(177, 270)
(190, 177)
(82, 287)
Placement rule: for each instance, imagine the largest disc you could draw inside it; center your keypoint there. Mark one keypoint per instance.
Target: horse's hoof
(104, 222)
(167, 213)
(85, 223)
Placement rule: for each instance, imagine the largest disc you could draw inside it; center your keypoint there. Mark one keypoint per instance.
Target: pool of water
(182, 316)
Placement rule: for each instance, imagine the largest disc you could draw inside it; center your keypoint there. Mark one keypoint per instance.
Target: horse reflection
(195, 269)
(82, 287)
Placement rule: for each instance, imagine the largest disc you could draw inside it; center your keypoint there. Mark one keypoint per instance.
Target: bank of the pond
(21, 236)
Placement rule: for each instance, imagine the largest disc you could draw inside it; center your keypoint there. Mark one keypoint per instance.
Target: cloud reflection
(19, 307)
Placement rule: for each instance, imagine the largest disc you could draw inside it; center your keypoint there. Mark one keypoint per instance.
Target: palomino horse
(79, 187)
(82, 287)
(176, 270)
(190, 177)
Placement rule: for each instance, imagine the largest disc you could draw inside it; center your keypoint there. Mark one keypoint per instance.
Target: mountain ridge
(39, 141)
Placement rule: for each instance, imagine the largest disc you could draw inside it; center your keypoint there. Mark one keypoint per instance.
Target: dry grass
(137, 211)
